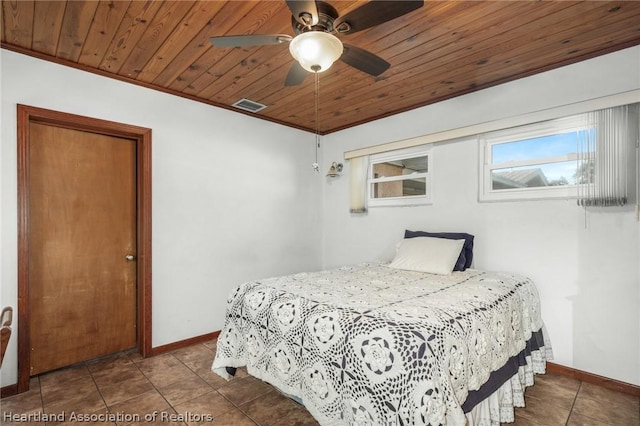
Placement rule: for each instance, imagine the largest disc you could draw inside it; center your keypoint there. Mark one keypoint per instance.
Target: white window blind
(358, 184)
(603, 156)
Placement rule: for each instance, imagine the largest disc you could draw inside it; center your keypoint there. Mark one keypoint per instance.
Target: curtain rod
(617, 99)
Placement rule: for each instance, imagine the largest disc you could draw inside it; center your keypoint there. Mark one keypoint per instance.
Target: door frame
(142, 137)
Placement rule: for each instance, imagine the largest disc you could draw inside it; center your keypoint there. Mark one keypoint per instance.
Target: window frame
(410, 200)
(520, 133)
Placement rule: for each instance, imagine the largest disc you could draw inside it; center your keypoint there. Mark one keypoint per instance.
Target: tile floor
(180, 388)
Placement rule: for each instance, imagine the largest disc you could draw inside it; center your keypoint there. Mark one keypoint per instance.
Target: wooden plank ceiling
(442, 50)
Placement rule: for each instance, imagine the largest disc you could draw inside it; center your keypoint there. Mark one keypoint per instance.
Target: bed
(376, 344)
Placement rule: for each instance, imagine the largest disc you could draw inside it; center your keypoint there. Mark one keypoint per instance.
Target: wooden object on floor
(5, 332)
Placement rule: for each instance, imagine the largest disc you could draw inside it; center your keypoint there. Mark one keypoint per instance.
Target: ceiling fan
(315, 46)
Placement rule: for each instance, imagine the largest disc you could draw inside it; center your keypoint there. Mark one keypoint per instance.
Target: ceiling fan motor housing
(326, 15)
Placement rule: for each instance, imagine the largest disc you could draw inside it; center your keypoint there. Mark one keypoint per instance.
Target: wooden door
(82, 233)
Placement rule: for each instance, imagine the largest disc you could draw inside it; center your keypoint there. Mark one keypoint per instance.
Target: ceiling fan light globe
(316, 51)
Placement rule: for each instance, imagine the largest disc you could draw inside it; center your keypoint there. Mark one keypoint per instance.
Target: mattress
(376, 345)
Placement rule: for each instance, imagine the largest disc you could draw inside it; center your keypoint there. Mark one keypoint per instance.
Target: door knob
(130, 257)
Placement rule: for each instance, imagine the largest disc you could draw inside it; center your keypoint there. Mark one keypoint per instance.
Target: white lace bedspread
(368, 344)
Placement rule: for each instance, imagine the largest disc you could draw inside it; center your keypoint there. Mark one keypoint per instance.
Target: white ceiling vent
(249, 105)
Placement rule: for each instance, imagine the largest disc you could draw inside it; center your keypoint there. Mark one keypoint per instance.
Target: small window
(400, 178)
(535, 161)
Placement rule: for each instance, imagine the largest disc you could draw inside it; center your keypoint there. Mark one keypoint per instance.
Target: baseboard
(11, 390)
(184, 343)
(614, 385)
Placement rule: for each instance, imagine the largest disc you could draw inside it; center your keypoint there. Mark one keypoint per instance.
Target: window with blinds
(581, 157)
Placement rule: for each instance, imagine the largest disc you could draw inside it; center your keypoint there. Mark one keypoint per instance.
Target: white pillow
(427, 254)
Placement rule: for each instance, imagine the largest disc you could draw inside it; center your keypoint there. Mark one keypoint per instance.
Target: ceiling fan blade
(364, 60)
(250, 40)
(304, 11)
(373, 13)
(296, 75)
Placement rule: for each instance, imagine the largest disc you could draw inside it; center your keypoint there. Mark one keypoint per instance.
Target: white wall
(588, 277)
(233, 198)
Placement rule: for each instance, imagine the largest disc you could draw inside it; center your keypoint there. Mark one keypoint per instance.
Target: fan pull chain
(317, 111)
